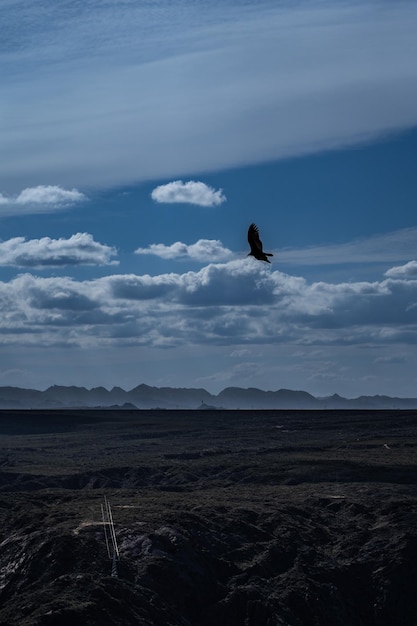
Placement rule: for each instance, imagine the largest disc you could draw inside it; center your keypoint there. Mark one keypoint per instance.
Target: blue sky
(140, 140)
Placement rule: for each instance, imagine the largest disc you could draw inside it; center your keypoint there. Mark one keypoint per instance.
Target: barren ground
(222, 518)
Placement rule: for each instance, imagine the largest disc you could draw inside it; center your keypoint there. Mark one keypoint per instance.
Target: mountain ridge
(148, 397)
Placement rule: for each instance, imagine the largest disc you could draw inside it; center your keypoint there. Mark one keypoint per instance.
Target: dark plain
(223, 518)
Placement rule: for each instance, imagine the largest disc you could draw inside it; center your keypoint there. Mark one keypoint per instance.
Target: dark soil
(223, 518)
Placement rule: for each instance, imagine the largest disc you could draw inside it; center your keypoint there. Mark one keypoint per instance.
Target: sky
(140, 138)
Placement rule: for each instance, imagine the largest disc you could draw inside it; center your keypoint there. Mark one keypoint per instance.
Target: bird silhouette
(256, 245)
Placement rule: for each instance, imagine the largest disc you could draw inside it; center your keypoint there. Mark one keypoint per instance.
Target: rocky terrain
(258, 518)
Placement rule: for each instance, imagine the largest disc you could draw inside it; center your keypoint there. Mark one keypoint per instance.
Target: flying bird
(256, 245)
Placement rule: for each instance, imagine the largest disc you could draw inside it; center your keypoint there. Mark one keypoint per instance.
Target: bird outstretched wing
(253, 238)
(256, 245)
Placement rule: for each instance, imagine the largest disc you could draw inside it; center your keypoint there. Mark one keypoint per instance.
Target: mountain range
(147, 397)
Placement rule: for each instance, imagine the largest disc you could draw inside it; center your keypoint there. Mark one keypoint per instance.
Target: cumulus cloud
(235, 304)
(203, 250)
(40, 199)
(192, 192)
(409, 270)
(79, 249)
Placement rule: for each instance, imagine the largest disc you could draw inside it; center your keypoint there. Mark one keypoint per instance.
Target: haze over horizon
(140, 140)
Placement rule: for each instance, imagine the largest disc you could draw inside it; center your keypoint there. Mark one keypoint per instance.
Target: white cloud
(191, 192)
(390, 359)
(409, 270)
(382, 248)
(40, 199)
(235, 304)
(203, 250)
(241, 353)
(107, 97)
(79, 249)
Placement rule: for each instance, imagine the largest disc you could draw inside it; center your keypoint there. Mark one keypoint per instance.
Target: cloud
(382, 248)
(203, 250)
(409, 270)
(140, 288)
(107, 97)
(236, 373)
(192, 192)
(241, 353)
(41, 199)
(79, 249)
(390, 359)
(236, 304)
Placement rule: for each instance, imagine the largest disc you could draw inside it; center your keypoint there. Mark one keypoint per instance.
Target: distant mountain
(147, 397)
(252, 398)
